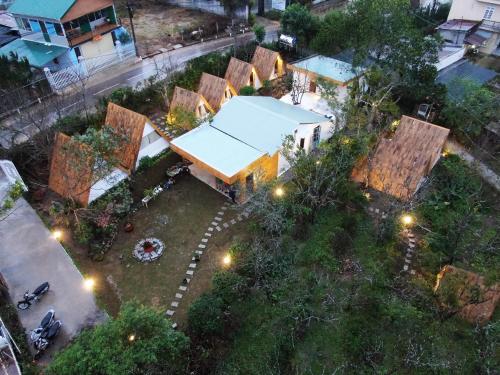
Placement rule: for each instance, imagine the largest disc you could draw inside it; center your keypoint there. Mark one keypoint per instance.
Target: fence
(211, 6)
(73, 74)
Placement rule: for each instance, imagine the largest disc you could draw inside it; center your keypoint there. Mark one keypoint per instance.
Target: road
(18, 128)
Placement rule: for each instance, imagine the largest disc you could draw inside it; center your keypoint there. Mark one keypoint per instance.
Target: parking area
(30, 256)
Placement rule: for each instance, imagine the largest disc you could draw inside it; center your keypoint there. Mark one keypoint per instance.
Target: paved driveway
(30, 256)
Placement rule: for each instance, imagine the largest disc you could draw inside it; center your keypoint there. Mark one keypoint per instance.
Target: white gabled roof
(218, 150)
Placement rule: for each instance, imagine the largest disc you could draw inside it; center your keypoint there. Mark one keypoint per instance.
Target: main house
(401, 164)
(473, 22)
(73, 174)
(241, 146)
(55, 33)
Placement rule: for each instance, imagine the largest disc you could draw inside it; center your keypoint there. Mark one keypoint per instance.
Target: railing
(491, 25)
(76, 36)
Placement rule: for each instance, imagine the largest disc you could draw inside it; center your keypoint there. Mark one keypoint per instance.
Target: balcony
(76, 36)
(490, 25)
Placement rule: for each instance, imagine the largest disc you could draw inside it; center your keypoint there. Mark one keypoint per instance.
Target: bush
(260, 33)
(83, 232)
(273, 14)
(146, 162)
(205, 316)
(124, 38)
(109, 348)
(229, 286)
(251, 19)
(247, 91)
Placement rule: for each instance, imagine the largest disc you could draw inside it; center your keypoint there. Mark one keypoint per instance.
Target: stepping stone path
(218, 224)
(409, 251)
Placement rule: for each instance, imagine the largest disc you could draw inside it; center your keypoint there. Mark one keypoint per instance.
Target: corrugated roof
(38, 54)
(337, 70)
(400, 163)
(52, 9)
(264, 60)
(217, 149)
(238, 73)
(261, 121)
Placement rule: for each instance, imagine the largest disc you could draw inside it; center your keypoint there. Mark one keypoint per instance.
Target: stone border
(217, 225)
(144, 257)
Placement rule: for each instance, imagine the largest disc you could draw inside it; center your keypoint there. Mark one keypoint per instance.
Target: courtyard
(179, 218)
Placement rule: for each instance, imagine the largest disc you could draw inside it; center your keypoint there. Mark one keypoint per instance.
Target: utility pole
(130, 16)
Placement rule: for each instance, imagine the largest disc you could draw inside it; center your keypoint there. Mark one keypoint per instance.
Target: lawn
(179, 218)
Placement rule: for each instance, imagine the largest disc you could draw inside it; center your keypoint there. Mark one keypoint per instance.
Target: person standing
(232, 194)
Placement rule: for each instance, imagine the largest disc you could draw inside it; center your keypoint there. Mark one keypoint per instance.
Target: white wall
(106, 183)
(151, 149)
(473, 10)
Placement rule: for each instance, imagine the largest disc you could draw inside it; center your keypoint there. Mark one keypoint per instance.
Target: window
(27, 25)
(488, 13)
(58, 28)
(35, 26)
(302, 142)
(19, 22)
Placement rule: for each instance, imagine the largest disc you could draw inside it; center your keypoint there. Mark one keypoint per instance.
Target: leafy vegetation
(139, 340)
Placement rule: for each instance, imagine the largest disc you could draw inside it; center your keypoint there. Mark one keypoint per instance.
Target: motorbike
(44, 325)
(46, 338)
(29, 298)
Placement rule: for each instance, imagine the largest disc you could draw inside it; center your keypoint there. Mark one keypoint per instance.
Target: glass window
(19, 22)
(58, 28)
(488, 13)
(35, 26)
(27, 25)
(316, 136)
(51, 30)
(91, 17)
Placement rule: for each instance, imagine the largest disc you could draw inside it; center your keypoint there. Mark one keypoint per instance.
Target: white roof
(245, 129)
(261, 121)
(218, 150)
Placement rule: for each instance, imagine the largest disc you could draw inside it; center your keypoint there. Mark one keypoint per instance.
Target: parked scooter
(29, 298)
(46, 338)
(46, 322)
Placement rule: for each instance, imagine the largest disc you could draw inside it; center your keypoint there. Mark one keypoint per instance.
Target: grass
(179, 218)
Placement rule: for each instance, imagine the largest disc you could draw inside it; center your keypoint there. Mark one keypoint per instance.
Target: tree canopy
(138, 340)
(297, 21)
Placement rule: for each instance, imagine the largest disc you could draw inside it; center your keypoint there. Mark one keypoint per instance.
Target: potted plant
(128, 227)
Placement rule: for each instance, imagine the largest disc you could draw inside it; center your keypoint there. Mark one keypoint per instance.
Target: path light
(407, 219)
(131, 338)
(318, 162)
(445, 153)
(89, 283)
(226, 260)
(57, 234)
(279, 192)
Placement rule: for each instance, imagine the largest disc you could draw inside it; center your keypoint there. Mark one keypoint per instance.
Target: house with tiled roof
(55, 33)
(73, 173)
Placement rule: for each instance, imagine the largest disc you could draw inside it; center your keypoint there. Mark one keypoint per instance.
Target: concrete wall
(211, 6)
(97, 48)
(473, 9)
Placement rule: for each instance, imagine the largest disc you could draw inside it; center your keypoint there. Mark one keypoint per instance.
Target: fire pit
(148, 249)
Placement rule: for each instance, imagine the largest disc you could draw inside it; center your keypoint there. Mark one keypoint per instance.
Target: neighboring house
(215, 90)
(8, 28)
(267, 63)
(307, 73)
(400, 164)
(191, 102)
(485, 14)
(241, 146)
(76, 179)
(8, 177)
(54, 33)
(240, 74)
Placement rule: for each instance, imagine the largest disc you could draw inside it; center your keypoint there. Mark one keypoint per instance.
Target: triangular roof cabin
(267, 63)
(215, 90)
(241, 74)
(70, 177)
(400, 164)
(190, 101)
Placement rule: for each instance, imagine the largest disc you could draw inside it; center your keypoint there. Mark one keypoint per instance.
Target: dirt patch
(163, 26)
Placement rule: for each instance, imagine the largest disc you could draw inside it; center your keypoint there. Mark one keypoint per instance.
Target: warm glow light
(367, 195)
(444, 154)
(279, 192)
(346, 141)
(226, 260)
(407, 219)
(89, 283)
(318, 162)
(57, 234)
(131, 338)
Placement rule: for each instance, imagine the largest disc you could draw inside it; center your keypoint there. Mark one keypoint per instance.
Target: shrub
(260, 33)
(229, 286)
(146, 162)
(274, 14)
(83, 232)
(247, 91)
(205, 316)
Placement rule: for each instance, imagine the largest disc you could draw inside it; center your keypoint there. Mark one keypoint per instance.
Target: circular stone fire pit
(148, 249)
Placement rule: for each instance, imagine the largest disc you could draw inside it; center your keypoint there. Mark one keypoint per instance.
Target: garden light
(407, 219)
(279, 192)
(226, 260)
(57, 234)
(131, 338)
(89, 283)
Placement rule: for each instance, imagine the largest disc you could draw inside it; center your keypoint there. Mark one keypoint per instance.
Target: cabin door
(312, 86)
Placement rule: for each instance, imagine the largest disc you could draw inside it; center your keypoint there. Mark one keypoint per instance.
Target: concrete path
(29, 256)
(486, 173)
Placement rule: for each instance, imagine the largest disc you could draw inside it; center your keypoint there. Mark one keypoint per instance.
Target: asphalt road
(19, 127)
